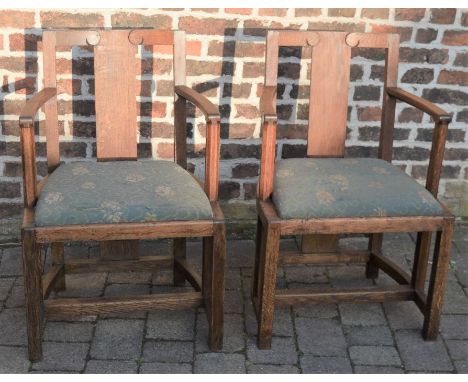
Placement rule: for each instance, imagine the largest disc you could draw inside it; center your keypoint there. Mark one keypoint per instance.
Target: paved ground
(345, 338)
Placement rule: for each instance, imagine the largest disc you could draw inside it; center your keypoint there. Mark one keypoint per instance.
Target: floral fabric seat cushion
(335, 187)
(117, 192)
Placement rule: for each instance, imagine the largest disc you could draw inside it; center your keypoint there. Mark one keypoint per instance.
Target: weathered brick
(239, 11)
(443, 15)
(250, 191)
(461, 59)
(410, 114)
(280, 12)
(452, 77)
(369, 113)
(253, 69)
(131, 20)
(54, 19)
(229, 190)
(299, 12)
(16, 19)
(367, 93)
(207, 26)
(426, 36)
(347, 27)
(455, 37)
(375, 13)
(456, 97)
(25, 42)
(462, 116)
(409, 14)
(404, 32)
(341, 12)
(245, 170)
(418, 76)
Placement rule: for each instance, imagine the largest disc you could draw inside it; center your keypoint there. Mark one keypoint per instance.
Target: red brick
(341, 12)
(239, 11)
(238, 130)
(409, 14)
(253, 69)
(165, 150)
(16, 19)
(375, 13)
(443, 15)
(331, 26)
(464, 19)
(206, 10)
(450, 77)
(52, 19)
(69, 86)
(153, 109)
(207, 26)
(156, 66)
(369, 113)
(280, 12)
(299, 12)
(1, 41)
(25, 42)
(19, 64)
(455, 37)
(193, 48)
(404, 32)
(260, 27)
(131, 20)
(25, 85)
(247, 111)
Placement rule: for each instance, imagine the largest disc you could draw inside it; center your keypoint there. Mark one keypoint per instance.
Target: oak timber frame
(115, 62)
(331, 54)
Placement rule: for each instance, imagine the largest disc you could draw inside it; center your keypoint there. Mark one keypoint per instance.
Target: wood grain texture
(69, 38)
(179, 251)
(328, 101)
(143, 264)
(28, 161)
(58, 259)
(103, 305)
(213, 131)
(32, 271)
(335, 295)
(367, 40)
(151, 37)
(50, 280)
(341, 257)
(49, 42)
(319, 243)
(115, 88)
(206, 106)
(298, 38)
(123, 231)
(189, 273)
(435, 295)
(392, 269)
(375, 247)
(267, 281)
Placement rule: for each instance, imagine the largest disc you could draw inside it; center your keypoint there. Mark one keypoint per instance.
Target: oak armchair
(326, 194)
(119, 200)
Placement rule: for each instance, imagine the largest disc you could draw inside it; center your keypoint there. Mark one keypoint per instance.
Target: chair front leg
(179, 250)
(267, 282)
(259, 241)
(214, 254)
(32, 270)
(435, 296)
(375, 247)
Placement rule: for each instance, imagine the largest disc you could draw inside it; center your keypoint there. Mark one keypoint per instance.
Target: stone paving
(344, 338)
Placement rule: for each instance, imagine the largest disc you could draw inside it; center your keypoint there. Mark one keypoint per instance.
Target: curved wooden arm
(268, 103)
(207, 108)
(29, 111)
(422, 104)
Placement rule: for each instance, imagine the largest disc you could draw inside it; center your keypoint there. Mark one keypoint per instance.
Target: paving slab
(97, 366)
(374, 355)
(171, 325)
(325, 365)
(219, 363)
(62, 357)
(13, 327)
(420, 355)
(272, 369)
(165, 368)
(168, 351)
(282, 352)
(13, 360)
(118, 339)
(368, 335)
(68, 331)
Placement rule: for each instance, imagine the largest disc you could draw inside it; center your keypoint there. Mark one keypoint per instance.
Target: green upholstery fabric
(116, 192)
(334, 187)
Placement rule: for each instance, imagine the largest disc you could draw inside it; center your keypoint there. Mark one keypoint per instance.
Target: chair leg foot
(214, 254)
(437, 281)
(267, 279)
(179, 251)
(32, 269)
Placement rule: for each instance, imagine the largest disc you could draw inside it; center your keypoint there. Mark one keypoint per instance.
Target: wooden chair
(326, 194)
(119, 200)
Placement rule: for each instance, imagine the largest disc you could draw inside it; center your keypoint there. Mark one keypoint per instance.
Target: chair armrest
(422, 104)
(207, 107)
(268, 103)
(29, 110)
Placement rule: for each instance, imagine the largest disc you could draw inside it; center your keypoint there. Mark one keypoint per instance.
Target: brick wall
(226, 50)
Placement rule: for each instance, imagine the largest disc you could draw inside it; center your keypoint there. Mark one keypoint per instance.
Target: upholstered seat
(124, 191)
(334, 187)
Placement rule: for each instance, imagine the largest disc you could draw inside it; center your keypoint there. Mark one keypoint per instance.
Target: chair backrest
(115, 74)
(329, 79)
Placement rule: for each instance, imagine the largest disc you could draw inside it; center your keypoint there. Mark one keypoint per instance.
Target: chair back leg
(58, 258)
(437, 281)
(32, 270)
(375, 247)
(179, 250)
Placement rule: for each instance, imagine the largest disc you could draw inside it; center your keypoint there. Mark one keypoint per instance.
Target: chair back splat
(115, 64)
(329, 82)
